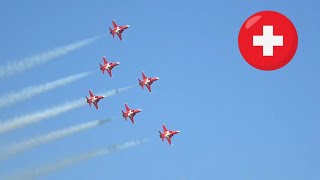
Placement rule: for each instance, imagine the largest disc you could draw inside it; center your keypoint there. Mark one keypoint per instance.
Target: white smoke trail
(65, 163)
(27, 93)
(52, 136)
(24, 120)
(38, 59)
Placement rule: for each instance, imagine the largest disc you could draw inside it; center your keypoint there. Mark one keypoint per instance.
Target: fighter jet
(94, 99)
(147, 81)
(108, 66)
(130, 113)
(117, 30)
(167, 134)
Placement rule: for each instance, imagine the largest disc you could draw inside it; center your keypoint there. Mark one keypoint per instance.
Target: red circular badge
(268, 40)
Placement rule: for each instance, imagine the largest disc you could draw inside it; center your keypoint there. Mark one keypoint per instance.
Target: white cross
(268, 40)
(147, 81)
(108, 66)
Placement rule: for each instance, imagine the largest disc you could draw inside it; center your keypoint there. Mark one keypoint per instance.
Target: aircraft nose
(157, 78)
(103, 96)
(139, 110)
(128, 26)
(178, 131)
(117, 63)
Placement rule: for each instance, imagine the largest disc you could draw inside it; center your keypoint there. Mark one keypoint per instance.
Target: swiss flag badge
(268, 40)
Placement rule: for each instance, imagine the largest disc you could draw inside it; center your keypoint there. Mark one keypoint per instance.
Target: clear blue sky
(236, 122)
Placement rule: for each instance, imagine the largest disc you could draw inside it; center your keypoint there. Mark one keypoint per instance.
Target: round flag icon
(268, 40)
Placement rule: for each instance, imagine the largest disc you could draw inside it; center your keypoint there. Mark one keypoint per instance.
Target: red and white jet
(130, 113)
(147, 81)
(167, 134)
(108, 66)
(117, 30)
(94, 99)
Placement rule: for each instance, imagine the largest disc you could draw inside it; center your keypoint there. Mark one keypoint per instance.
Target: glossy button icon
(268, 40)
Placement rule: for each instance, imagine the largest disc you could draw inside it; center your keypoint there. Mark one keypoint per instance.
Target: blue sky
(236, 122)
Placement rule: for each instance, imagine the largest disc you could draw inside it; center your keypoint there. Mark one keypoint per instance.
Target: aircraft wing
(149, 87)
(96, 105)
(169, 140)
(132, 120)
(109, 72)
(91, 94)
(164, 128)
(105, 60)
(127, 108)
(144, 76)
(114, 24)
(120, 36)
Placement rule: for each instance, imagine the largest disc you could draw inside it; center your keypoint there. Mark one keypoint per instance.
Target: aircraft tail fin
(123, 114)
(88, 101)
(140, 83)
(161, 136)
(111, 32)
(101, 67)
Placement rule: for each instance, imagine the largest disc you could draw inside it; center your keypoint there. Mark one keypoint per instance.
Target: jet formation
(145, 81)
